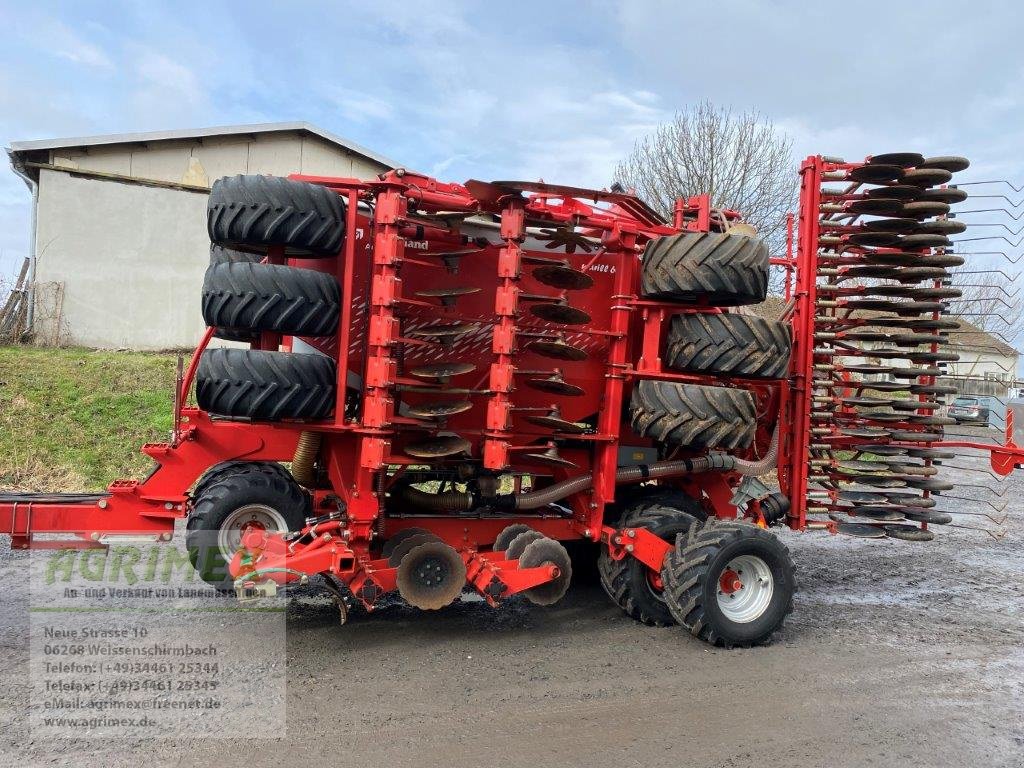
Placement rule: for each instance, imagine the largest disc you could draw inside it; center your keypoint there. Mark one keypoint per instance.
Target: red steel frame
(358, 452)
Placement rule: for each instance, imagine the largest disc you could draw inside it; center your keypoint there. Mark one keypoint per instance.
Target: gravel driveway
(897, 653)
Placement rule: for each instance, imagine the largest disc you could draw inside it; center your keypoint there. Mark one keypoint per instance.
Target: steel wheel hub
(229, 537)
(745, 589)
(430, 572)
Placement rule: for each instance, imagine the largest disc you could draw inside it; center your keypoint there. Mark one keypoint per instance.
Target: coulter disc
(431, 575)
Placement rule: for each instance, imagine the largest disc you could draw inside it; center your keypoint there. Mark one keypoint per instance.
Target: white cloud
(362, 107)
(69, 45)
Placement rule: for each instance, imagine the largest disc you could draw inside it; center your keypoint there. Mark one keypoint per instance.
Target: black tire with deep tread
(236, 334)
(693, 415)
(256, 212)
(729, 344)
(626, 580)
(221, 255)
(636, 497)
(266, 386)
(717, 268)
(219, 471)
(230, 492)
(692, 570)
(269, 297)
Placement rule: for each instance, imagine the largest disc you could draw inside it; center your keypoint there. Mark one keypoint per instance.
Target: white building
(119, 223)
(987, 364)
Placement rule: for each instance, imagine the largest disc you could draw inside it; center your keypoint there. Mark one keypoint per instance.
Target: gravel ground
(896, 653)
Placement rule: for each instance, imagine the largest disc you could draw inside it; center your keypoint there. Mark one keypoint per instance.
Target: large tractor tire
(635, 497)
(224, 508)
(631, 585)
(266, 386)
(729, 583)
(253, 213)
(221, 255)
(730, 345)
(268, 297)
(218, 472)
(693, 415)
(714, 268)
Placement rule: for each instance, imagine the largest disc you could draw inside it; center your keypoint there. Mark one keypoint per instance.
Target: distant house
(987, 364)
(119, 222)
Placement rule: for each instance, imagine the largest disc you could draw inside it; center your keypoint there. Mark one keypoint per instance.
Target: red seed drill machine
(478, 385)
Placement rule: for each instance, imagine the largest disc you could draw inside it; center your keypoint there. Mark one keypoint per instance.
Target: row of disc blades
(547, 343)
(881, 344)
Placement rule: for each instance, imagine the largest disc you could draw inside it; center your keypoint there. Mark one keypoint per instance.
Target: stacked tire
(243, 296)
(709, 269)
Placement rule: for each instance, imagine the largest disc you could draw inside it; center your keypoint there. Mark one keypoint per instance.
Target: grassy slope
(73, 419)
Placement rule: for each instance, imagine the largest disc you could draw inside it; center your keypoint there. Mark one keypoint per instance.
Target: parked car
(971, 410)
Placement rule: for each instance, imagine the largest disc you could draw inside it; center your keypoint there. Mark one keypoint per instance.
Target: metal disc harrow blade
(876, 174)
(439, 409)
(442, 371)
(903, 192)
(553, 420)
(438, 447)
(448, 296)
(563, 276)
(883, 287)
(555, 384)
(560, 313)
(557, 348)
(550, 458)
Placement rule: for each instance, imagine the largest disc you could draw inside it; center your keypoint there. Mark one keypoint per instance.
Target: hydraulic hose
(761, 466)
(637, 474)
(640, 473)
(305, 454)
(454, 501)
(449, 501)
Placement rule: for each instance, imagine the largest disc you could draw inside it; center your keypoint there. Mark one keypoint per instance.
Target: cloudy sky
(558, 90)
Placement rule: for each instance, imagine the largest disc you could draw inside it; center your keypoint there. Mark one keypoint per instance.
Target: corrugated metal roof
(18, 147)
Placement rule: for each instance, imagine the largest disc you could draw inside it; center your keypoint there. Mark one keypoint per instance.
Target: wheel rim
(745, 589)
(229, 536)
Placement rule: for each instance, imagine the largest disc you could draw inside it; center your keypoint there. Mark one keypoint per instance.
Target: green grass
(74, 419)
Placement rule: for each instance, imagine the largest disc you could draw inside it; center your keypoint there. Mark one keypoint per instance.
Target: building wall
(120, 264)
(984, 365)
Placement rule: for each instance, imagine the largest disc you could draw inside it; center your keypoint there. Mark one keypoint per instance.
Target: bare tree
(991, 300)
(741, 160)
